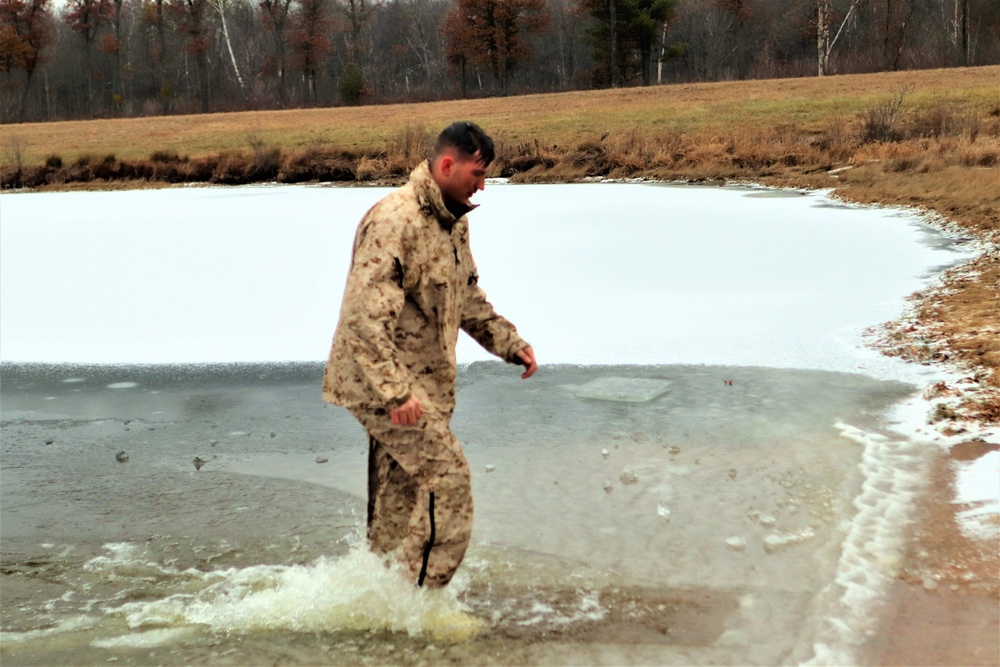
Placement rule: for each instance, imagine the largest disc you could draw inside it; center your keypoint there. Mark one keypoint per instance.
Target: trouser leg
(430, 463)
(392, 496)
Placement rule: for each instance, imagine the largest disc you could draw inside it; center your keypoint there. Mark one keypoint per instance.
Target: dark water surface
(706, 526)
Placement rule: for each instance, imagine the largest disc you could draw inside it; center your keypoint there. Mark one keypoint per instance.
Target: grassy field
(741, 109)
(928, 139)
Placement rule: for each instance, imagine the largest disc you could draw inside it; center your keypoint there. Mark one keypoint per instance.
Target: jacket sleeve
(496, 334)
(372, 303)
(479, 319)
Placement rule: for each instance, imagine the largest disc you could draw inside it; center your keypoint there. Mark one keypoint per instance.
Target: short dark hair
(467, 139)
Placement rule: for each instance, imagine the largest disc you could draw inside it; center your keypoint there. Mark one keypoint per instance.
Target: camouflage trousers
(419, 495)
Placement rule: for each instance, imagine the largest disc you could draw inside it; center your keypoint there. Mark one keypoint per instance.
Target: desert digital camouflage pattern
(412, 285)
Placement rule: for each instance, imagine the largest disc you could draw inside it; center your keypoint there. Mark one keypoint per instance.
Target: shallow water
(698, 528)
(750, 514)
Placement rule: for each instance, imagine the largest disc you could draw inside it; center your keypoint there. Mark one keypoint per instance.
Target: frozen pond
(591, 274)
(746, 513)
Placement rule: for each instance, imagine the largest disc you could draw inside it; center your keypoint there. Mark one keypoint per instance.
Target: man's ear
(446, 165)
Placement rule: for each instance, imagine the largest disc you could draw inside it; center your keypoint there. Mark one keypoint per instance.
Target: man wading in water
(412, 285)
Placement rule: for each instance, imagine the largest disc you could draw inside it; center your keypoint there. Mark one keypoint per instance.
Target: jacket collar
(447, 211)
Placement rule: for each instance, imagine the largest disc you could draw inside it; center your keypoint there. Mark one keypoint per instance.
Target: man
(412, 285)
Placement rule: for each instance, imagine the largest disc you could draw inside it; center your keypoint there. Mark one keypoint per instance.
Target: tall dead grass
(923, 141)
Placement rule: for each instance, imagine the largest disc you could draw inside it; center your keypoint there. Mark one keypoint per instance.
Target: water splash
(359, 592)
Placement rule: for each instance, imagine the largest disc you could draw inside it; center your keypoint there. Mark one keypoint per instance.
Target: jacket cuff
(394, 403)
(516, 347)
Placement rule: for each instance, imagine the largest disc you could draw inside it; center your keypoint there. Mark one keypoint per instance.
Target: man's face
(461, 177)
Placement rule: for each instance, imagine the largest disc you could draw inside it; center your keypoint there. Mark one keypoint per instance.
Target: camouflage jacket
(412, 285)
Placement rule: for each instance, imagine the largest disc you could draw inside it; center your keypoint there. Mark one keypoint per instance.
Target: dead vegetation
(958, 323)
(261, 164)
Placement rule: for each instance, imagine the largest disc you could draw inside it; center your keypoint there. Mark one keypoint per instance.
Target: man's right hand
(408, 413)
(527, 357)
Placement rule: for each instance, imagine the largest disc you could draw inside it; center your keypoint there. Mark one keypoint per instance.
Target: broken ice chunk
(626, 390)
(778, 541)
(628, 476)
(736, 543)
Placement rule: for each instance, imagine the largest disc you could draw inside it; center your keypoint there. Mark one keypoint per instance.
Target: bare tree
(613, 42)
(155, 16)
(359, 13)
(25, 32)
(492, 32)
(112, 45)
(965, 33)
(221, 7)
(422, 38)
(192, 23)
(824, 45)
(275, 16)
(310, 42)
(86, 17)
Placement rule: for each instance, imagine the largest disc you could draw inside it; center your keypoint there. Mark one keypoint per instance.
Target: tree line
(65, 59)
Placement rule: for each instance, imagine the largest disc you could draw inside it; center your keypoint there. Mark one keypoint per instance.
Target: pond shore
(944, 609)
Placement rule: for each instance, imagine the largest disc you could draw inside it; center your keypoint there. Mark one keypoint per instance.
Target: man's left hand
(527, 357)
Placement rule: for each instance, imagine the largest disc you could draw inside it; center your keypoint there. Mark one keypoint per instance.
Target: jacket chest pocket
(439, 286)
(466, 274)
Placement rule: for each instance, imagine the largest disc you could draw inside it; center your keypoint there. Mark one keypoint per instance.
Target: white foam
(121, 552)
(68, 624)
(145, 639)
(125, 561)
(587, 609)
(893, 474)
(354, 593)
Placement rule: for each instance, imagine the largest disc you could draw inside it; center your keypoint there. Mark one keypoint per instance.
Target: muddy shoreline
(945, 607)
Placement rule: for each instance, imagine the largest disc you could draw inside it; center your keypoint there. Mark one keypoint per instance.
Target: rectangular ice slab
(628, 390)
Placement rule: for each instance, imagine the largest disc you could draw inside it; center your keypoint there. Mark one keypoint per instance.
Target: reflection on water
(744, 516)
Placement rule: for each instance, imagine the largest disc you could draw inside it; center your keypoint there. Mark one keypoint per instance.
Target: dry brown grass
(959, 323)
(555, 120)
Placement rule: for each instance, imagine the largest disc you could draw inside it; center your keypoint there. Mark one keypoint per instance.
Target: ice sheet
(979, 481)
(590, 273)
(624, 389)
